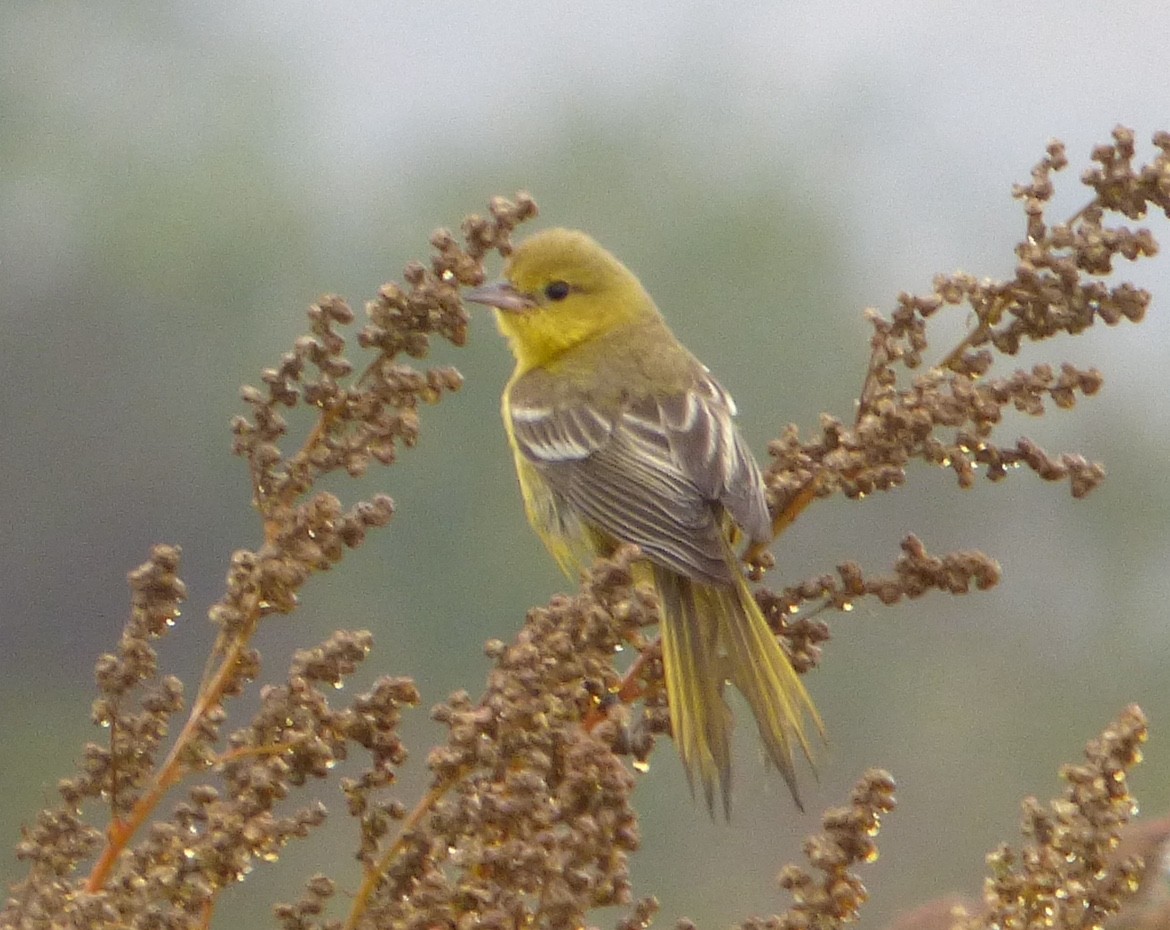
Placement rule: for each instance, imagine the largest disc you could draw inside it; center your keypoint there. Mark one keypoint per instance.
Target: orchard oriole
(621, 435)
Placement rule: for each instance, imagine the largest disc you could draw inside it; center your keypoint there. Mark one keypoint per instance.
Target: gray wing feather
(711, 451)
(657, 474)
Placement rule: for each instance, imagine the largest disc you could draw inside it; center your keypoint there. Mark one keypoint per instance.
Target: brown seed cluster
(135, 702)
(367, 418)
(915, 573)
(832, 895)
(170, 872)
(148, 868)
(1148, 908)
(528, 822)
(1065, 875)
(1083, 865)
(947, 415)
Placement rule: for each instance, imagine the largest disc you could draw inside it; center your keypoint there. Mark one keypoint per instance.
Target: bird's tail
(712, 633)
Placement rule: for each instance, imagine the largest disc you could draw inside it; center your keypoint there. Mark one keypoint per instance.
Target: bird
(621, 435)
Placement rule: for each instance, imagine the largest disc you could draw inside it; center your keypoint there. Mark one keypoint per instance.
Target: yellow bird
(621, 435)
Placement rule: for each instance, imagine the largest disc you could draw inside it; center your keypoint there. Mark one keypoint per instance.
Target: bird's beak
(501, 295)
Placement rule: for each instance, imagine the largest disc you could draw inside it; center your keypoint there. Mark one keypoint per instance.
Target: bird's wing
(656, 473)
(701, 428)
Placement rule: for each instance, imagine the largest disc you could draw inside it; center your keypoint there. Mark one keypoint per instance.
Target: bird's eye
(557, 290)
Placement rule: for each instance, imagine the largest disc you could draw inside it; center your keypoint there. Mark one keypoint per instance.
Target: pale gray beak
(501, 295)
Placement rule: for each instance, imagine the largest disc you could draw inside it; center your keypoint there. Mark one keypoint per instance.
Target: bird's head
(560, 289)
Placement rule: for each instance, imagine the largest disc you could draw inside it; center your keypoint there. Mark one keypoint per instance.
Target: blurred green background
(178, 181)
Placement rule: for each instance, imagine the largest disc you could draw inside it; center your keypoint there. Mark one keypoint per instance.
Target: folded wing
(660, 473)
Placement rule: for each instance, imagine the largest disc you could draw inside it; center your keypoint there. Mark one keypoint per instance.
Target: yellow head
(561, 289)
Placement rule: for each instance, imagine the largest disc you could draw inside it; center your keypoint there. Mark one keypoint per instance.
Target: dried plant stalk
(527, 820)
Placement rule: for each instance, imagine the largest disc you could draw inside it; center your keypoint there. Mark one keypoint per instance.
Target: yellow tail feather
(699, 717)
(713, 633)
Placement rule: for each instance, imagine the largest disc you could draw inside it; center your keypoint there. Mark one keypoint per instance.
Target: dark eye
(557, 290)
